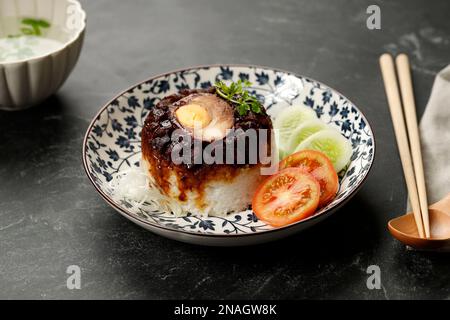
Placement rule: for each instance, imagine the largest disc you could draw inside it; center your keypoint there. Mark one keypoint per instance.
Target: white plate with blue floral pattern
(112, 144)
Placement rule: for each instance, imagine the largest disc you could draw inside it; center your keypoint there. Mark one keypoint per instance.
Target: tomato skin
(321, 168)
(288, 196)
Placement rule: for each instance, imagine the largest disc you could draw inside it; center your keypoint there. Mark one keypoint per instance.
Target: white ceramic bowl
(32, 73)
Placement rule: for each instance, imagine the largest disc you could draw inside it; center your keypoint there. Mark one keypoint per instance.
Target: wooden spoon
(404, 228)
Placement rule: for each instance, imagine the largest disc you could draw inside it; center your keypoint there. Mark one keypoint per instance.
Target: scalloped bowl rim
(68, 43)
(339, 203)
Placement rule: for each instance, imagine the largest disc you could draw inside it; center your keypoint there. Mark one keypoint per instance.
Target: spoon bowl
(404, 228)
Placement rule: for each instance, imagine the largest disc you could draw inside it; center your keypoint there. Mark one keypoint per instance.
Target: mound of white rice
(218, 197)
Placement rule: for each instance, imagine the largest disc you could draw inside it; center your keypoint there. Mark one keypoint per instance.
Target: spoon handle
(409, 107)
(395, 106)
(443, 205)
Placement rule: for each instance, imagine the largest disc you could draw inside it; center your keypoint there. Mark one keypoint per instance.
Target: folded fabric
(435, 138)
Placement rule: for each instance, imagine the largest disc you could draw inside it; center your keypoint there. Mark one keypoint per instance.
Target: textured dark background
(51, 217)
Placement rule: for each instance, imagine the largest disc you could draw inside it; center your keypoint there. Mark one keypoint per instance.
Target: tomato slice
(286, 197)
(320, 167)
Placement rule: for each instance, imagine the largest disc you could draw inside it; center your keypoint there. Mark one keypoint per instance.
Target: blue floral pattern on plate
(112, 141)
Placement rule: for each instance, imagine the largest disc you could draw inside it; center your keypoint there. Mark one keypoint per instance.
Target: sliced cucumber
(288, 120)
(304, 131)
(333, 144)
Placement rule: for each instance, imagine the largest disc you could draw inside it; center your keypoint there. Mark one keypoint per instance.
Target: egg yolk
(193, 115)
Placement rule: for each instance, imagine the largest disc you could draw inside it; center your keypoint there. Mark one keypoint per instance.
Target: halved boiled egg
(206, 115)
(193, 116)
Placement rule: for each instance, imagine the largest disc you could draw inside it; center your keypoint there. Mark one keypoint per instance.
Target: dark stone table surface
(51, 217)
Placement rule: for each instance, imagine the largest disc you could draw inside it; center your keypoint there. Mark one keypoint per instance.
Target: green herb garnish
(237, 95)
(35, 26)
(32, 27)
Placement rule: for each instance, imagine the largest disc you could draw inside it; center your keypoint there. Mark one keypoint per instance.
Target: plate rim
(132, 217)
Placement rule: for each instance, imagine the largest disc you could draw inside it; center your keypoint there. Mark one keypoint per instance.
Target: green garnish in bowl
(237, 94)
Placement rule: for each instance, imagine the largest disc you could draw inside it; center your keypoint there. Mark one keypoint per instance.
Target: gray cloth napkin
(435, 138)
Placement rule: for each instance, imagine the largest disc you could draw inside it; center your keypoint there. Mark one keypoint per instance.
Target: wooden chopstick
(409, 108)
(395, 107)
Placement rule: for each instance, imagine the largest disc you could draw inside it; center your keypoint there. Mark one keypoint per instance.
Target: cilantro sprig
(237, 94)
